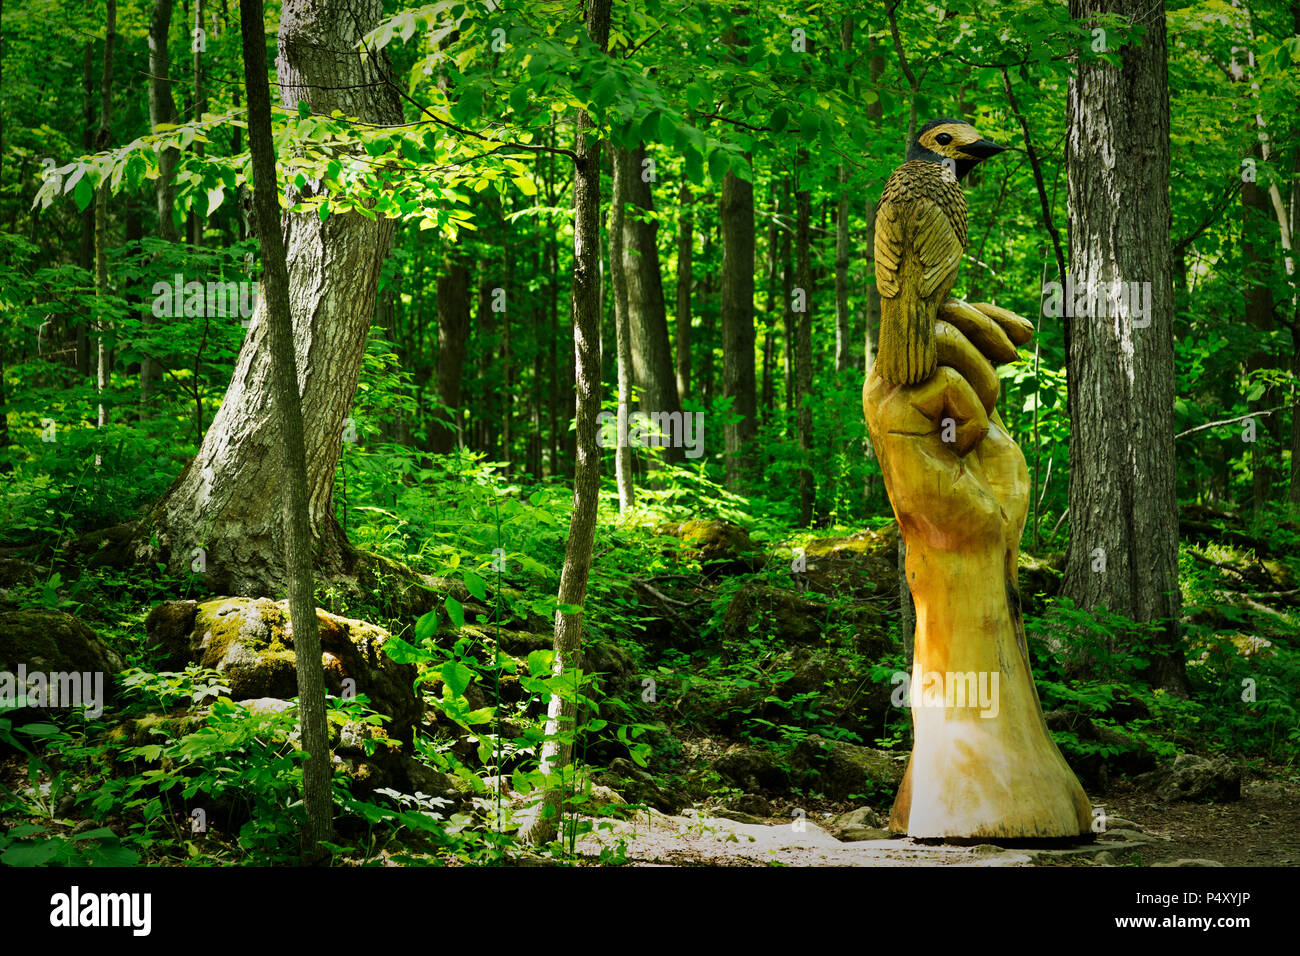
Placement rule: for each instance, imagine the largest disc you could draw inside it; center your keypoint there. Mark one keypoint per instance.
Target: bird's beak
(982, 149)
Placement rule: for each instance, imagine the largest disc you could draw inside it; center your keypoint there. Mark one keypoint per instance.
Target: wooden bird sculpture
(920, 239)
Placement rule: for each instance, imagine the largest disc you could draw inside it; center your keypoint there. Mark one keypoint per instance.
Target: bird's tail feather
(906, 353)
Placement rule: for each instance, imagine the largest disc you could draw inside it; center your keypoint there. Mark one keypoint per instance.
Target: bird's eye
(943, 139)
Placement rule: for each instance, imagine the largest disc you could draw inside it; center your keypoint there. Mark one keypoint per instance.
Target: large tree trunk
(453, 335)
(1123, 550)
(737, 213)
(557, 752)
(227, 501)
(652, 359)
(1257, 273)
(316, 790)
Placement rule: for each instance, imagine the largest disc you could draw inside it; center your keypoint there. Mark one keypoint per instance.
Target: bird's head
(951, 142)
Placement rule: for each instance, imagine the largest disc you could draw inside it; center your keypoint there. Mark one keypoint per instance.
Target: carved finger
(956, 351)
(983, 332)
(951, 403)
(1019, 329)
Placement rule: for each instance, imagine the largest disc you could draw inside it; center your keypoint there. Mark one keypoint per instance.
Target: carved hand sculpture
(983, 763)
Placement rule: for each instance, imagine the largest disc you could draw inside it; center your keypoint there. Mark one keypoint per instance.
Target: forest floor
(1262, 829)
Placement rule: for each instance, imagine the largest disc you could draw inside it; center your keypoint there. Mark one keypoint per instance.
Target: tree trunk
(453, 335)
(843, 325)
(101, 207)
(316, 789)
(802, 346)
(871, 319)
(1123, 549)
(652, 359)
(162, 109)
(737, 213)
(227, 500)
(622, 330)
(557, 751)
(685, 239)
(1257, 274)
(86, 252)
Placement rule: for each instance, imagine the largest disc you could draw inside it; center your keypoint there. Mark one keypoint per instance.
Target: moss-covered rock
(251, 642)
(792, 618)
(50, 642)
(720, 547)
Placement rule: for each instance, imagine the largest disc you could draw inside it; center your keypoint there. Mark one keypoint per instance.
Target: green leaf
(215, 195)
(780, 119)
(323, 210)
(83, 194)
(457, 677)
(426, 626)
(526, 185)
(809, 125)
(475, 585)
(455, 611)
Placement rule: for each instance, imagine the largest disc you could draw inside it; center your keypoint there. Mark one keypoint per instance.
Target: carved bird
(920, 239)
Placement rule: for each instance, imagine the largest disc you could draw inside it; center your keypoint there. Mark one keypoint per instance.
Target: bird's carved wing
(920, 238)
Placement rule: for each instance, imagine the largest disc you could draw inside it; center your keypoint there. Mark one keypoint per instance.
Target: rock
(986, 849)
(858, 834)
(751, 804)
(1120, 823)
(1190, 862)
(839, 769)
(1039, 578)
(1104, 858)
(861, 817)
(1270, 790)
(863, 565)
(1198, 779)
(47, 643)
(720, 547)
(251, 643)
(738, 816)
(637, 786)
(751, 769)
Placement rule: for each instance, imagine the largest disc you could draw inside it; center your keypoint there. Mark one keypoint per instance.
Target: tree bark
(557, 751)
(453, 335)
(622, 330)
(737, 214)
(1123, 549)
(1257, 293)
(843, 324)
(871, 319)
(652, 359)
(316, 790)
(162, 109)
(101, 208)
(227, 499)
(685, 240)
(802, 347)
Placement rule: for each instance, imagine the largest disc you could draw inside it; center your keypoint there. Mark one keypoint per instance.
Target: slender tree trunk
(162, 109)
(737, 213)
(622, 331)
(316, 791)
(803, 346)
(1123, 550)
(652, 360)
(557, 752)
(685, 239)
(843, 323)
(871, 319)
(227, 500)
(453, 336)
(86, 252)
(1257, 272)
(708, 326)
(101, 207)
